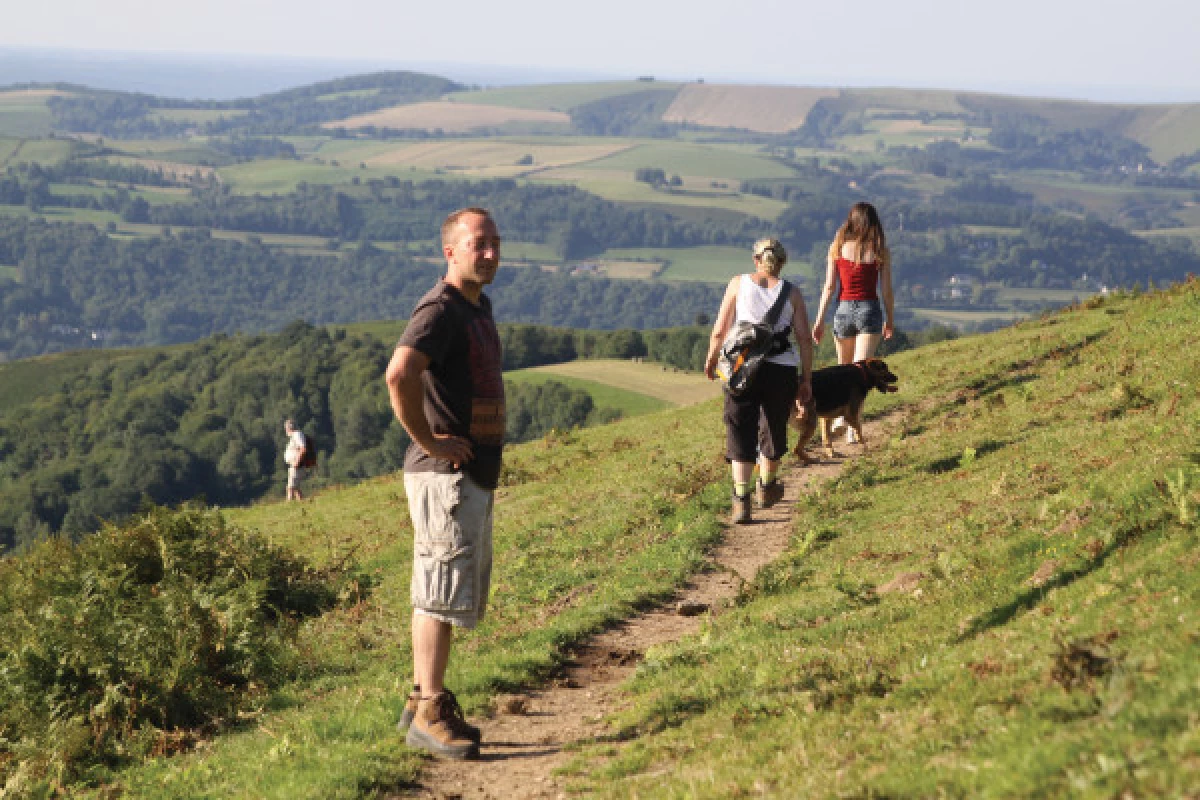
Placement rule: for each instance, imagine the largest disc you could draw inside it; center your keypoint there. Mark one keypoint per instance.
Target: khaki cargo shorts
(452, 546)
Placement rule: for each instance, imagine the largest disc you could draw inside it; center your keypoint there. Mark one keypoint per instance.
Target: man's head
(471, 244)
(289, 427)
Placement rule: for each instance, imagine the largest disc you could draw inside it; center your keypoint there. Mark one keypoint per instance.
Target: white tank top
(753, 303)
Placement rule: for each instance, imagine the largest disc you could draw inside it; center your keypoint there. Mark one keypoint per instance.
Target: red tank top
(858, 280)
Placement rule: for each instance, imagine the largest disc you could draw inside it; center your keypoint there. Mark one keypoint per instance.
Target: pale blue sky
(1101, 49)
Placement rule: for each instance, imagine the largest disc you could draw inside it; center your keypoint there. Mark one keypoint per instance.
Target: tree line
(205, 420)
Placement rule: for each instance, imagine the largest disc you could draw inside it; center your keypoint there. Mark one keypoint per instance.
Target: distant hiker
(756, 419)
(294, 457)
(860, 262)
(446, 388)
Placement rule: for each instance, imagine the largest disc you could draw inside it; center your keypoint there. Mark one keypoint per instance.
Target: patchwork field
(555, 96)
(764, 109)
(452, 117)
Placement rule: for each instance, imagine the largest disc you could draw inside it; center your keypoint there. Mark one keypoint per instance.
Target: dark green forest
(205, 419)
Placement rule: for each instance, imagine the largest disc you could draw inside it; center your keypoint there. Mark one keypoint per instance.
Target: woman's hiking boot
(410, 711)
(438, 727)
(741, 509)
(769, 493)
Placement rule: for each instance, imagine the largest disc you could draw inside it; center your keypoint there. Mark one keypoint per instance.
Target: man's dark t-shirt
(464, 385)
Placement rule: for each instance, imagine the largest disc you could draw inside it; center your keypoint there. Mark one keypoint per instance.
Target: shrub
(167, 624)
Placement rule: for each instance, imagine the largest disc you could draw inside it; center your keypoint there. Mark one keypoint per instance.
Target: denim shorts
(857, 316)
(452, 546)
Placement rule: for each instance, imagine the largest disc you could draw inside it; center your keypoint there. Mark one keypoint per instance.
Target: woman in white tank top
(756, 421)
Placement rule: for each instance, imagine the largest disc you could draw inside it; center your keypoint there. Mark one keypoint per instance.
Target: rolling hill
(996, 599)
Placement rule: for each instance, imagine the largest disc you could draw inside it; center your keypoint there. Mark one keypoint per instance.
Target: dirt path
(525, 741)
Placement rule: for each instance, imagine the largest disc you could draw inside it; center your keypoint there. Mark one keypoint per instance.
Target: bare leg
(767, 467)
(845, 350)
(431, 640)
(865, 345)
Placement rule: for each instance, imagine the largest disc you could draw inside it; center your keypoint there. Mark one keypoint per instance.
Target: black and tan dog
(839, 392)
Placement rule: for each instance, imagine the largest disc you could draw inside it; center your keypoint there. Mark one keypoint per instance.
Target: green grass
(719, 162)
(630, 404)
(1043, 484)
(713, 263)
(578, 546)
(25, 380)
(9, 273)
(620, 187)
(33, 151)
(554, 96)
(278, 175)
(960, 319)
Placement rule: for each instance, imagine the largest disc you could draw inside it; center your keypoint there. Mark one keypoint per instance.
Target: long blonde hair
(863, 228)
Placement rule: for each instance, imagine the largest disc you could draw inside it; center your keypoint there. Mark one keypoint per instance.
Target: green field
(279, 176)
(9, 273)
(671, 386)
(555, 97)
(23, 114)
(630, 404)
(718, 162)
(965, 319)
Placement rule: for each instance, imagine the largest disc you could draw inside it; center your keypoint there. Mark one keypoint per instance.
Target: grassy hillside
(1000, 601)
(997, 600)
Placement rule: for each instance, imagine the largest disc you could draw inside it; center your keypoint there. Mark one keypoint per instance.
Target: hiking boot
(741, 509)
(410, 711)
(438, 727)
(838, 425)
(769, 493)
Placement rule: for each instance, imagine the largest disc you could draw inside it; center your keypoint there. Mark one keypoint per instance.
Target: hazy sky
(1102, 49)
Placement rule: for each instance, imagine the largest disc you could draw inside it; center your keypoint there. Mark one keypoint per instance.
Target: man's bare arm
(405, 391)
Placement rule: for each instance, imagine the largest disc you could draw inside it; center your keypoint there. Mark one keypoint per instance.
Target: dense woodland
(205, 419)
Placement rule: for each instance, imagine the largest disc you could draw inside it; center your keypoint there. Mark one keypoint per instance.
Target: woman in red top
(860, 262)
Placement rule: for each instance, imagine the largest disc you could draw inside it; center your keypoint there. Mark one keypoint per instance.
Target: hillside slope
(1000, 601)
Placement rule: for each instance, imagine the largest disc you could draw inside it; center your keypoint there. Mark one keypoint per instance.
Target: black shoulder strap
(785, 291)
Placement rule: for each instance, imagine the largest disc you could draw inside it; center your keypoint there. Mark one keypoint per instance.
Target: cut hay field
(453, 117)
(554, 96)
(764, 109)
(667, 384)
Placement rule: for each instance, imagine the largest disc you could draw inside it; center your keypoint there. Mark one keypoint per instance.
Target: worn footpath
(529, 735)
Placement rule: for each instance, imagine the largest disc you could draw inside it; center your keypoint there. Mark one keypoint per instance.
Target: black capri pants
(756, 422)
